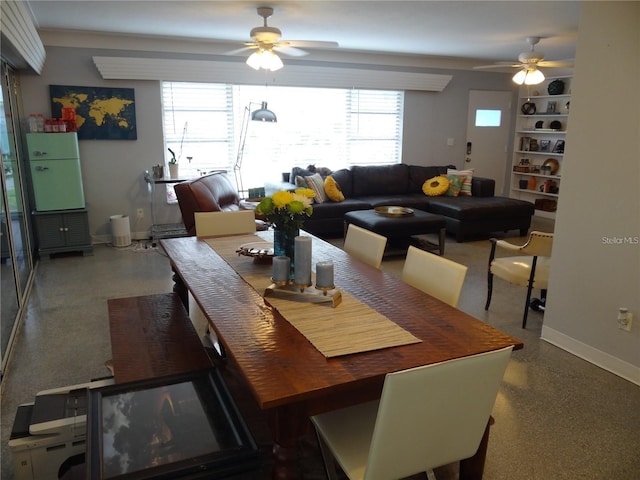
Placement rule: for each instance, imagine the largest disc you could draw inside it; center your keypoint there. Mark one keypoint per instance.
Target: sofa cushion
(483, 187)
(474, 208)
(337, 209)
(345, 180)
(380, 179)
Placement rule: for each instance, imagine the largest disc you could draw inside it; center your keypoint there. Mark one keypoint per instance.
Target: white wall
(113, 169)
(593, 274)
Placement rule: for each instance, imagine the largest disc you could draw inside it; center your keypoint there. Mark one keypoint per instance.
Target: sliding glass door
(16, 266)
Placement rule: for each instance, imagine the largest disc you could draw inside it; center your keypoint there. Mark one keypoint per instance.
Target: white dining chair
(426, 417)
(215, 224)
(435, 275)
(365, 245)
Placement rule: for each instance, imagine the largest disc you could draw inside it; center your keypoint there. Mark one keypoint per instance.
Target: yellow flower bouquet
(287, 211)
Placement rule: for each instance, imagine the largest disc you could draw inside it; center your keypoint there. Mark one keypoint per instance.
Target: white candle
(302, 261)
(281, 269)
(324, 274)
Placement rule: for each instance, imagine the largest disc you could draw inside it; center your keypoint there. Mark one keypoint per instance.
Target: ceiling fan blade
(285, 48)
(556, 63)
(310, 44)
(499, 65)
(241, 50)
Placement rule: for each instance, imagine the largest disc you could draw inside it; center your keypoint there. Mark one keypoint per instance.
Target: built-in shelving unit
(539, 143)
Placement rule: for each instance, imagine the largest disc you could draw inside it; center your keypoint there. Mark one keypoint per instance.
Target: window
(332, 128)
(488, 118)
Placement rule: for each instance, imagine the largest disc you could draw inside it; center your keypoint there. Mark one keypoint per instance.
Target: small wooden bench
(153, 336)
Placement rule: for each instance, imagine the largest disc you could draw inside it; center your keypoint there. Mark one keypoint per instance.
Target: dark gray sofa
(367, 187)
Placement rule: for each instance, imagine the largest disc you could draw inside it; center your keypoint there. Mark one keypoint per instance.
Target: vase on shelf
(173, 171)
(284, 237)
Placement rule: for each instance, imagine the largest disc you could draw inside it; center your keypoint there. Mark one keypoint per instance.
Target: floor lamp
(260, 115)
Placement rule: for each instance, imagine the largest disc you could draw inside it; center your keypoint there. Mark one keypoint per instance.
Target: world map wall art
(102, 113)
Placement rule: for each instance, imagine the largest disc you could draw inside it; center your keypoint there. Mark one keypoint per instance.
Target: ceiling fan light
(528, 76)
(255, 60)
(265, 59)
(271, 61)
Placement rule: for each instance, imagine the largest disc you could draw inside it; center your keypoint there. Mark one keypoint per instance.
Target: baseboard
(593, 355)
(106, 239)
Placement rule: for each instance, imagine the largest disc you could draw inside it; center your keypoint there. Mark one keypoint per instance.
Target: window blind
(327, 127)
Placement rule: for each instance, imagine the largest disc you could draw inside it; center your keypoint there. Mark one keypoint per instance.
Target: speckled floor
(557, 416)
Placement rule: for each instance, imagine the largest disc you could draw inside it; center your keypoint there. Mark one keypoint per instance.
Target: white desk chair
(527, 265)
(215, 224)
(435, 275)
(365, 245)
(426, 417)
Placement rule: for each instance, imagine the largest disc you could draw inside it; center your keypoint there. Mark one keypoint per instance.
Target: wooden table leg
(180, 288)
(287, 424)
(472, 468)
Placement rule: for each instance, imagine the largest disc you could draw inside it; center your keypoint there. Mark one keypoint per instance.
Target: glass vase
(284, 242)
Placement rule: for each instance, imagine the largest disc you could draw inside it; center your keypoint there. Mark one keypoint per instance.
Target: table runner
(351, 327)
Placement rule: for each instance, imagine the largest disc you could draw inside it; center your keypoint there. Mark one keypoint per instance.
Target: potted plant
(173, 165)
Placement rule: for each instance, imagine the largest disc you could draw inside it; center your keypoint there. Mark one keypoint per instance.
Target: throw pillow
(455, 185)
(466, 183)
(316, 183)
(300, 182)
(436, 186)
(332, 189)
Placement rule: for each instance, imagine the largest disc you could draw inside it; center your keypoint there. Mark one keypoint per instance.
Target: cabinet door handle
(39, 153)
(40, 168)
(61, 229)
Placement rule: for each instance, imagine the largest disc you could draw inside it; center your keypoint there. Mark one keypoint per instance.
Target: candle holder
(301, 286)
(292, 291)
(325, 290)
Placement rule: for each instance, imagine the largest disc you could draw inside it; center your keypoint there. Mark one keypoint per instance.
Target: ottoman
(400, 227)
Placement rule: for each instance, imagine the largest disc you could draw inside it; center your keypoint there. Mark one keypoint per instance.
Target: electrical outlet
(625, 319)
(140, 212)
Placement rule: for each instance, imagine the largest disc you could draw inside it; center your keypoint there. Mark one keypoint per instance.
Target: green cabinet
(63, 231)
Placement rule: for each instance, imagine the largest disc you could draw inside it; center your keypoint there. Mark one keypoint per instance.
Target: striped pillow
(466, 176)
(316, 183)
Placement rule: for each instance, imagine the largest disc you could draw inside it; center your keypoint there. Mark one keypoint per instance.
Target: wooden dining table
(289, 378)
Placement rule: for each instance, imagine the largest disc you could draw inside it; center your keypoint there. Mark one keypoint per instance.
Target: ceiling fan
(528, 63)
(267, 41)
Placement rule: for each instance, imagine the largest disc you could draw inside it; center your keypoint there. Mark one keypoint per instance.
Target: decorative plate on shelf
(393, 211)
(257, 250)
(553, 163)
(528, 108)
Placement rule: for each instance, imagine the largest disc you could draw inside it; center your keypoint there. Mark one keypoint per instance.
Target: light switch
(450, 142)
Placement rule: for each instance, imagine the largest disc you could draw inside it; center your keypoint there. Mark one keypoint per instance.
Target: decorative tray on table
(262, 251)
(393, 211)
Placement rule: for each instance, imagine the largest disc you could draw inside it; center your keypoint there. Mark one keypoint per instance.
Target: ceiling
(482, 30)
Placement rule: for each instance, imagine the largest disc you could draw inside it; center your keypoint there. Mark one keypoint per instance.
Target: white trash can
(120, 231)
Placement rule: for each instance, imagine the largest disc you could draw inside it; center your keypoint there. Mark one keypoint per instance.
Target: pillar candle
(324, 274)
(281, 269)
(302, 261)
